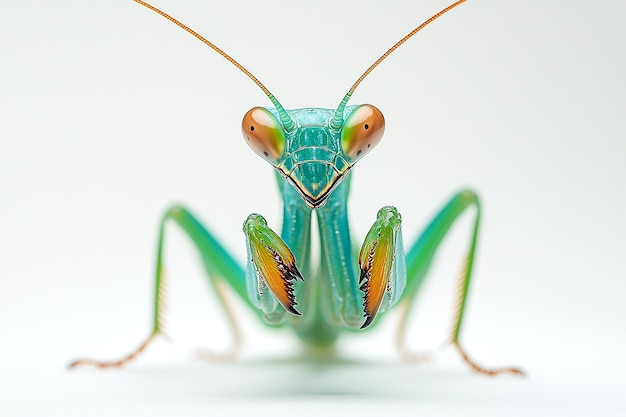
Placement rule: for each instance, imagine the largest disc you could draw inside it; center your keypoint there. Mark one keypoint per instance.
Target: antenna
(284, 117)
(338, 118)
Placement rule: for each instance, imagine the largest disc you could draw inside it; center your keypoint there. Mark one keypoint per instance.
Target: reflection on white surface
(267, 385)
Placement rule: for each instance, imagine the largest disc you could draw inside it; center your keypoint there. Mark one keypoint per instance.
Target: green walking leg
(221, 269)
(419, 259)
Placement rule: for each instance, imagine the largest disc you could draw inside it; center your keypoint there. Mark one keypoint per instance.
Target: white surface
(108, 113)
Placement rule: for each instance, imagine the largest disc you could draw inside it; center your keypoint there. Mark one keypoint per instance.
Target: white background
(109, 113)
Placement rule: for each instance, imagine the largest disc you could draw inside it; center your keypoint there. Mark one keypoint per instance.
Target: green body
(329, 298)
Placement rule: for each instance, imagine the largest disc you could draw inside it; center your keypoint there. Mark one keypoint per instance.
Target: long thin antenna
(338, 118)
(284, 117)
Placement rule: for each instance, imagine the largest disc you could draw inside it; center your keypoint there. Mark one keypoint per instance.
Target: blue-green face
(313, 157)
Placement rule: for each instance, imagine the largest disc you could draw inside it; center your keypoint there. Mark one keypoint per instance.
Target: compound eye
(362, 131)
(264, 133)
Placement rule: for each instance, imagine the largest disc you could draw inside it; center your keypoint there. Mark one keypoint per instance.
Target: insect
(313, 151)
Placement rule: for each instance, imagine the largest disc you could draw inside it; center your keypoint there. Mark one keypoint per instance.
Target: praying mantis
(313, 151)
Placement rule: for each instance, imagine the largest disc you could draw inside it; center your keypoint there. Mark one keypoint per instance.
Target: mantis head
(313, 156)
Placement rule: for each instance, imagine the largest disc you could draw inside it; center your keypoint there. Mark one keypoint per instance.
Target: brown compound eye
(264, 133)
(362, 131)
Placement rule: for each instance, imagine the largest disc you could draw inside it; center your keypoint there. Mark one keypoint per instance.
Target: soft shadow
(302, 376)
